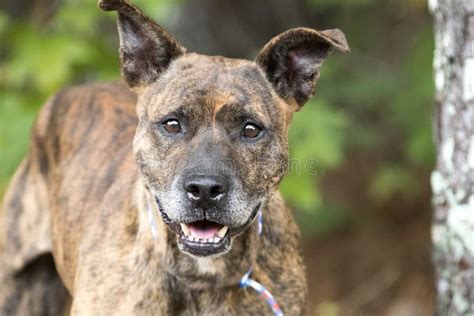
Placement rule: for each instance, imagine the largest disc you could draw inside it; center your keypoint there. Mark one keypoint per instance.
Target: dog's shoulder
(82, 138)
(83, 121)
(85, 105)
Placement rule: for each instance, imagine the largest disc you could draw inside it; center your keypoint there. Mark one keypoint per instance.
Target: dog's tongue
(203, 229)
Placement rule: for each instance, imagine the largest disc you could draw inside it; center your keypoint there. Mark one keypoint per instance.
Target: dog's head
(211, 141)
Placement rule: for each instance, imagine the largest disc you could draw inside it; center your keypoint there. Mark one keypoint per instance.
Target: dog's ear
(292, 61)
(145, 48)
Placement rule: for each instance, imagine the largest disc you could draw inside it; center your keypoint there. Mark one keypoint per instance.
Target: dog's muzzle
(204, 237)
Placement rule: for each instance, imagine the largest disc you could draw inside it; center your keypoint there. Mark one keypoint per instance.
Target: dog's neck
(195, 273)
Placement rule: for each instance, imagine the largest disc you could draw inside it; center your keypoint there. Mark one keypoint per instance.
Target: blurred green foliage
(38, 58)
(319, 135)
(375, 100)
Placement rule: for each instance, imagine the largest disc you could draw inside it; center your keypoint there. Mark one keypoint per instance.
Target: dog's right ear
(292, 61)
(145, 48)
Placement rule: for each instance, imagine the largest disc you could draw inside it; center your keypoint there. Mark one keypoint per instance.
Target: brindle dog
(209, 149)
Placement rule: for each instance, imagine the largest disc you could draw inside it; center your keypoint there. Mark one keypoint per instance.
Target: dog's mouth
(204, 238)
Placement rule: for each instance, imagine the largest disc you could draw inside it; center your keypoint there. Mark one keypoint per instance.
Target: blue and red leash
(246, 281)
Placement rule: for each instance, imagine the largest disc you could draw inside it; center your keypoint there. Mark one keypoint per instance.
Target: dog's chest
(209, 303)
(173, 298)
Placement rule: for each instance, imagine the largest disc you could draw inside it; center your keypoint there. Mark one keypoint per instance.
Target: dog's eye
(251, 130)
(172, 126)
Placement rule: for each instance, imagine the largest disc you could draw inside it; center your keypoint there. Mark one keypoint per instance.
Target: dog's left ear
(292, 61)
(146, 49)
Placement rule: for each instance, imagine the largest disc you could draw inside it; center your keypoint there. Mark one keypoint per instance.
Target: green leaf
(391, 180)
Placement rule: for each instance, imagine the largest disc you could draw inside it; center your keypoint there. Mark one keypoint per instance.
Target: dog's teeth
(222, 231)
(216, 239)
(185, 229)
(192, 238)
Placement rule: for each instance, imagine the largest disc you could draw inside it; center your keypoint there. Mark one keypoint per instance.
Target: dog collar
(246, 281)
(151, 219)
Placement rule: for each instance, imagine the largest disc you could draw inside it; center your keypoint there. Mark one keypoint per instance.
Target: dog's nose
(204, 190)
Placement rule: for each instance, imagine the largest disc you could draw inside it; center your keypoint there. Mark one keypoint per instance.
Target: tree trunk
(453, 180)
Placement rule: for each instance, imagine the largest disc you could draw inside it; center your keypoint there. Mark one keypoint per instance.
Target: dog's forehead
(216, 65)
(213, 81)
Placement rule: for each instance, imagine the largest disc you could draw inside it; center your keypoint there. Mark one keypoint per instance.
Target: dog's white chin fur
(209, 266)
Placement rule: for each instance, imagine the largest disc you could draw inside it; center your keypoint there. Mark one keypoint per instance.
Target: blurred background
(365, 212)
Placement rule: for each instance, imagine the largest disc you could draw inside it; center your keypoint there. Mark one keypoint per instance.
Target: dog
(159, 196)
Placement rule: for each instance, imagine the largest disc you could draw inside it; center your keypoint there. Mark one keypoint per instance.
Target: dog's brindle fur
(82, 192)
